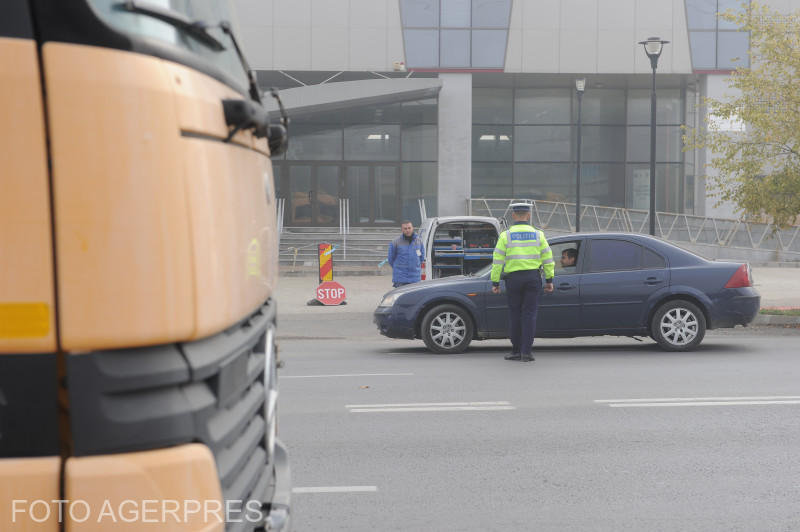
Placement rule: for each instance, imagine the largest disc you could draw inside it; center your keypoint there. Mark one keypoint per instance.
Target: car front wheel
(447, 329)
(678, 326)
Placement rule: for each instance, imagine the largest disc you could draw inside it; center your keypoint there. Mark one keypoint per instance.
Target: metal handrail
(725, 232)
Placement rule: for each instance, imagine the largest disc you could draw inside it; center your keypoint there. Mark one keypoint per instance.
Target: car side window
(566, 256)
(652, 260)
(614, 255)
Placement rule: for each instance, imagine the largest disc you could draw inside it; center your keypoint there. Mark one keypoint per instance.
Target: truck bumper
(279, 518)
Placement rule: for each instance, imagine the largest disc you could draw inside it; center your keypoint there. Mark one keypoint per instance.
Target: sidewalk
(779, 287)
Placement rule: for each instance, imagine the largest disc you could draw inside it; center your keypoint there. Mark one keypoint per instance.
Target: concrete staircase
(360, 252)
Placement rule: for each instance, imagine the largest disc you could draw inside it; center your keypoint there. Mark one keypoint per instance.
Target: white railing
(281, 206)
(423, 213)
(344, 223)
(669, 226)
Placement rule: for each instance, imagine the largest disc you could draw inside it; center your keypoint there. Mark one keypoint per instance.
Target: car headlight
(389, 300)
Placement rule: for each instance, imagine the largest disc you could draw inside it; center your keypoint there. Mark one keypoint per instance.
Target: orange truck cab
(138, 258)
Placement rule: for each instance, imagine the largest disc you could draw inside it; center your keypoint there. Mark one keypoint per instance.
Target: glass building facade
(522, 140)
(380, 158)
(716, 44)
(453, 34)
(524, 144)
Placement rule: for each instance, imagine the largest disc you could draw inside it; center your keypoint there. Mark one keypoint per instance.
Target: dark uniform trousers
(522, 289)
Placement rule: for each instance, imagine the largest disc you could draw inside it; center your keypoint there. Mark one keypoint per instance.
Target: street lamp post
(580, 86)
(653, 47)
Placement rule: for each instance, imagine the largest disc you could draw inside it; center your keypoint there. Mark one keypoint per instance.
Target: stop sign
(330, 293)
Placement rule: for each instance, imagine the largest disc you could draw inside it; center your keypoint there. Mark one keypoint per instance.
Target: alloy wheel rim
(448, 330)
(679, 326)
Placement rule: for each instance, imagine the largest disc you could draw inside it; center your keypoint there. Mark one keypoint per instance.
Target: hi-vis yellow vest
(522, 247)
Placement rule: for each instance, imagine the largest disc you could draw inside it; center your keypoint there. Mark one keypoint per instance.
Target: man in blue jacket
(406, 255)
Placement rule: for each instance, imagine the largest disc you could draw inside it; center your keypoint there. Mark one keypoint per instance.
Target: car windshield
(483, 271)
(210, 13)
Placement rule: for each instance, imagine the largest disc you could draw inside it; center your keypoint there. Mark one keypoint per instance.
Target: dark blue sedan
(605, 284)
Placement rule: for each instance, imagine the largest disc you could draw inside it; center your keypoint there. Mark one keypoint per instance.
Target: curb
(775, 320)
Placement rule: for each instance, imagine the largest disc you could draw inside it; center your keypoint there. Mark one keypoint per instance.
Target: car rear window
(613, 255)
(652, 260)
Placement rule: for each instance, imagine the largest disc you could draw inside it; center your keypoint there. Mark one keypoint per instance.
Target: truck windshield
(207, 16)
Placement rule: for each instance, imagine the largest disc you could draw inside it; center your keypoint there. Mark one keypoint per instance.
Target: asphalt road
(549, 445)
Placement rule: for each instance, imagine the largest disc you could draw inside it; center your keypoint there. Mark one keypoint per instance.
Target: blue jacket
(405, 258)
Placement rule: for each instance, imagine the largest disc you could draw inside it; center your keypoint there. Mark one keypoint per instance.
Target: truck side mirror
(278, 139)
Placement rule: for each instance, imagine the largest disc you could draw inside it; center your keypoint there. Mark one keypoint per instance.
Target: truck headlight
(389, 300)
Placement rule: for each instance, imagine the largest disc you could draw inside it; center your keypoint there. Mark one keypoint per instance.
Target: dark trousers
(523, 289)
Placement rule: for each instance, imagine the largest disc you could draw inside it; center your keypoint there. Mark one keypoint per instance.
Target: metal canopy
(303, 101)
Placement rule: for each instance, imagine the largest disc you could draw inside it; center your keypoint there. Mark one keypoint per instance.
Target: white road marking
(706, 403)
(677, 399)
(701, 401)
(346, 375)
(337, 489)
(484, 403)
(432, 407)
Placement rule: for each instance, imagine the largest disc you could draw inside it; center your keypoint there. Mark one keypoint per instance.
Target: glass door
(298, 208)
(314, 193)
(387, 194)
(357, 188)
(325, 195)
(374, 193)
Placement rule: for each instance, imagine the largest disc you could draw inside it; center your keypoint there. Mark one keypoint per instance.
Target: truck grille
(210, 391)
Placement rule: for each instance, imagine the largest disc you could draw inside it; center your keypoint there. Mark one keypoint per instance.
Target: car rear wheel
(678, 326)
(447, 329)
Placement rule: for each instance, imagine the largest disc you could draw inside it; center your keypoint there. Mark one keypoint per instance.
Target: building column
(455, 144)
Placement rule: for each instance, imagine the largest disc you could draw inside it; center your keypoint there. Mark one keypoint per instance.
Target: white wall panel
(540, 51)
(367, 49)
(328, 46)
(653, 13)
(597, 36)
(393, 15)
(514, 51)
(289, 13)
(256, 12)
(292, 48)
(578, 15)
(257, 44)
(394, 47)
(681, 53)
(329, 13)
(614, 51)
(367, 13)
(539, 14)
(619, 14)
(577, 51)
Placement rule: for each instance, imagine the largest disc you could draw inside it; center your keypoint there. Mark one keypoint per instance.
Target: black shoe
(528, 358)
(513, 356)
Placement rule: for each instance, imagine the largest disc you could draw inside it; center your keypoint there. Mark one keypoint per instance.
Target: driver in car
(569, 257)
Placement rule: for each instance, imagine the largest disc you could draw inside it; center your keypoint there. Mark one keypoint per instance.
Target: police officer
(521, 252)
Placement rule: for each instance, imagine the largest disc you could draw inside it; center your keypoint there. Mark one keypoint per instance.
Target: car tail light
(423, 272)
(741, 278)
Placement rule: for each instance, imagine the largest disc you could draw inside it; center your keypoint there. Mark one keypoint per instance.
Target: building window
(382, 158)
(452, 34)
(716, 44)
(524, 145)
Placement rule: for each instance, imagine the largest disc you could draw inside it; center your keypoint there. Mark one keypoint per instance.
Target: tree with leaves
(758, 161)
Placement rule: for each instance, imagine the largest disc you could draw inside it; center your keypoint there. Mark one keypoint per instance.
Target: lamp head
(653, 47)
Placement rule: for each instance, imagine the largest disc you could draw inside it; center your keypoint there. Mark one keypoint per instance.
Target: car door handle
(653, 281)
(566, 286)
